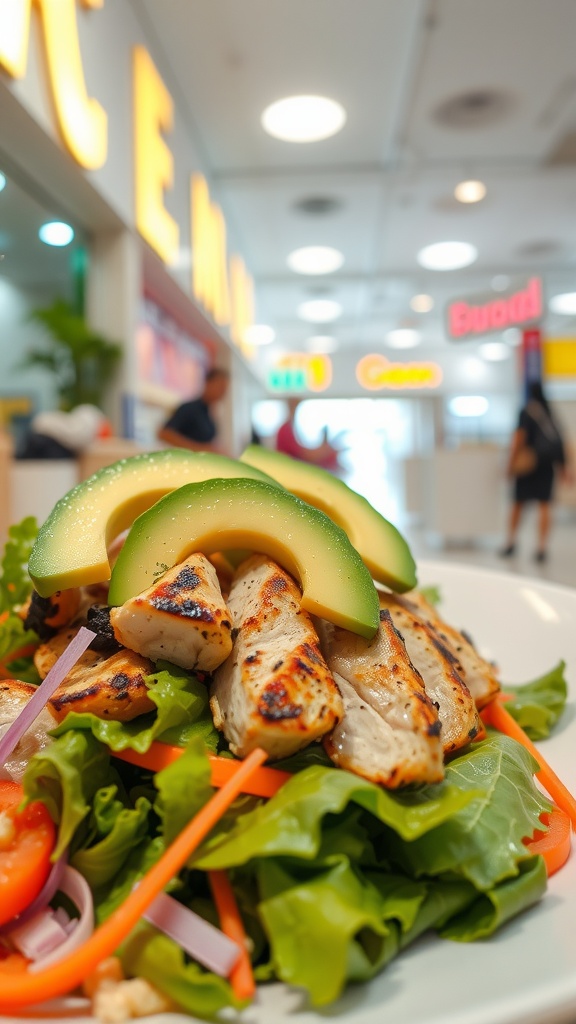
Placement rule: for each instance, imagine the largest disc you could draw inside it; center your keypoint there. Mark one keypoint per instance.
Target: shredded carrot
(242, 977)
(555, 844)
(496, 715)
(264, 782)
(65, 975)
(22, 652)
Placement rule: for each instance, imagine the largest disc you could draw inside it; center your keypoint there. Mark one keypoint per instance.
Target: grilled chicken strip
(479, 674)
(108, 686)
(14, 697)
(275, 690)
(390, 733)
(182, 617)
(441, 672)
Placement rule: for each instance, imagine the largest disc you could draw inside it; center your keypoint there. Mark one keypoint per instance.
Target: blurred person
(63, 435)
(192, 424)
(323, 455)
(537, 454)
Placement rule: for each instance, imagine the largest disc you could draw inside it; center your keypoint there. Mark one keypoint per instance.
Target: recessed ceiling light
(447, 255)
(56, 232)
(564, 303)
(322, 343)
(470, 191)
(315, 259)
(319, 311)
(468, 405)
(512, 336)
(500, 282)
(403, 337)
(2, 181)
(303, 118)
(495, 351)
(259, 334)
(422, 303)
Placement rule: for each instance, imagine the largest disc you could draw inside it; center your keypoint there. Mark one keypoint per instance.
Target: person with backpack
(537, 454)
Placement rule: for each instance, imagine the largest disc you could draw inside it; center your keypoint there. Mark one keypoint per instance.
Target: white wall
(17, 336)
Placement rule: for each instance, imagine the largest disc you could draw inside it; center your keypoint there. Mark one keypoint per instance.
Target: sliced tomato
(555, 844)
(27, 839)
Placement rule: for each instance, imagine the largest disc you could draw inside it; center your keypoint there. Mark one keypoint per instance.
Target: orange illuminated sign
(82, 121)
(559, 357)
(375, 372)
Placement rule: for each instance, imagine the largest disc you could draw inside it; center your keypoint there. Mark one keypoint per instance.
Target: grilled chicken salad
(385, 789)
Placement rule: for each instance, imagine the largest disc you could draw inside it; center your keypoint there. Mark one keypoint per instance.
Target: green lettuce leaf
(482, 842)
(149, 954)
(183, 788)
(65, 776)
(118, 830)
(182, 713)
(493, 908)
(110, 896)
(538, 705)
(291, 822)
(15, 583)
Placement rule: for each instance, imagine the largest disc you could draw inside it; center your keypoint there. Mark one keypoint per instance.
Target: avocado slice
(70, 549)
(382, 547)
(220, 514)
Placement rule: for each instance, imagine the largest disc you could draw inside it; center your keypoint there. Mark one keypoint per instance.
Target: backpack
(546, 441)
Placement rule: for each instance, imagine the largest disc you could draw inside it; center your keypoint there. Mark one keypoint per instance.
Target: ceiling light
(259, 334)
(447, 255)
(303, 118)
(319, 311)
(56, 232)
(315, 259)
(500, 282)
(422, 303)
(495, 351)
(564, 303)
(468, 405)
(470, 191)
(403, 337)
(321, 343)
(512, 335)
(2, 181)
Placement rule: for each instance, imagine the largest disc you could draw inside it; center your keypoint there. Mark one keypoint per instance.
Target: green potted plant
(81, 360)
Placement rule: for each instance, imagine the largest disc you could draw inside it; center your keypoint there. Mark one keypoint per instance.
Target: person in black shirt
(538, 431)
(192, 425)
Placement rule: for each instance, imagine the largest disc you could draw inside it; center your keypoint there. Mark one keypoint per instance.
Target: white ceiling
(393, 167)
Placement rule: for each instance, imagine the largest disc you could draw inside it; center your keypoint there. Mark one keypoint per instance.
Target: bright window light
(447, 255)
(259, 334)
(303, 118)
(321, 343)
(470, 191)
(2, 181)
(403, 337)
(268, 415)
(495, 351)
(56, 232)
(319, 311)
(564, 303)
(315, 259)
(468, 405)
(422, 303)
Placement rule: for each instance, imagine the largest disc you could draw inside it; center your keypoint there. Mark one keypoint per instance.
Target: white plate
(527, 972)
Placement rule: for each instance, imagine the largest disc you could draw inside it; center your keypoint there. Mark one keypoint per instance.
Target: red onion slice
(75, 886)
(39, 935)
(47, 687)
(198, 937)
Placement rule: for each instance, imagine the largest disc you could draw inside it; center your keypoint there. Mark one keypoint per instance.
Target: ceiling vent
(478, 108)
(318, 206)
(541, 249)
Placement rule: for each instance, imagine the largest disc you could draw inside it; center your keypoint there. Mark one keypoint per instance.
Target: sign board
(559, 357)
(300, 371)
(477, 315)
(375, 373)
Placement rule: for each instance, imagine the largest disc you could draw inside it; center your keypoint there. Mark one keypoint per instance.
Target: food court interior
(367, 206)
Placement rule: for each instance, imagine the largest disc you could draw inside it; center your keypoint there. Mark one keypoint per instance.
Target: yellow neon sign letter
(210, 270)
(153, 160)
(82, 120)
